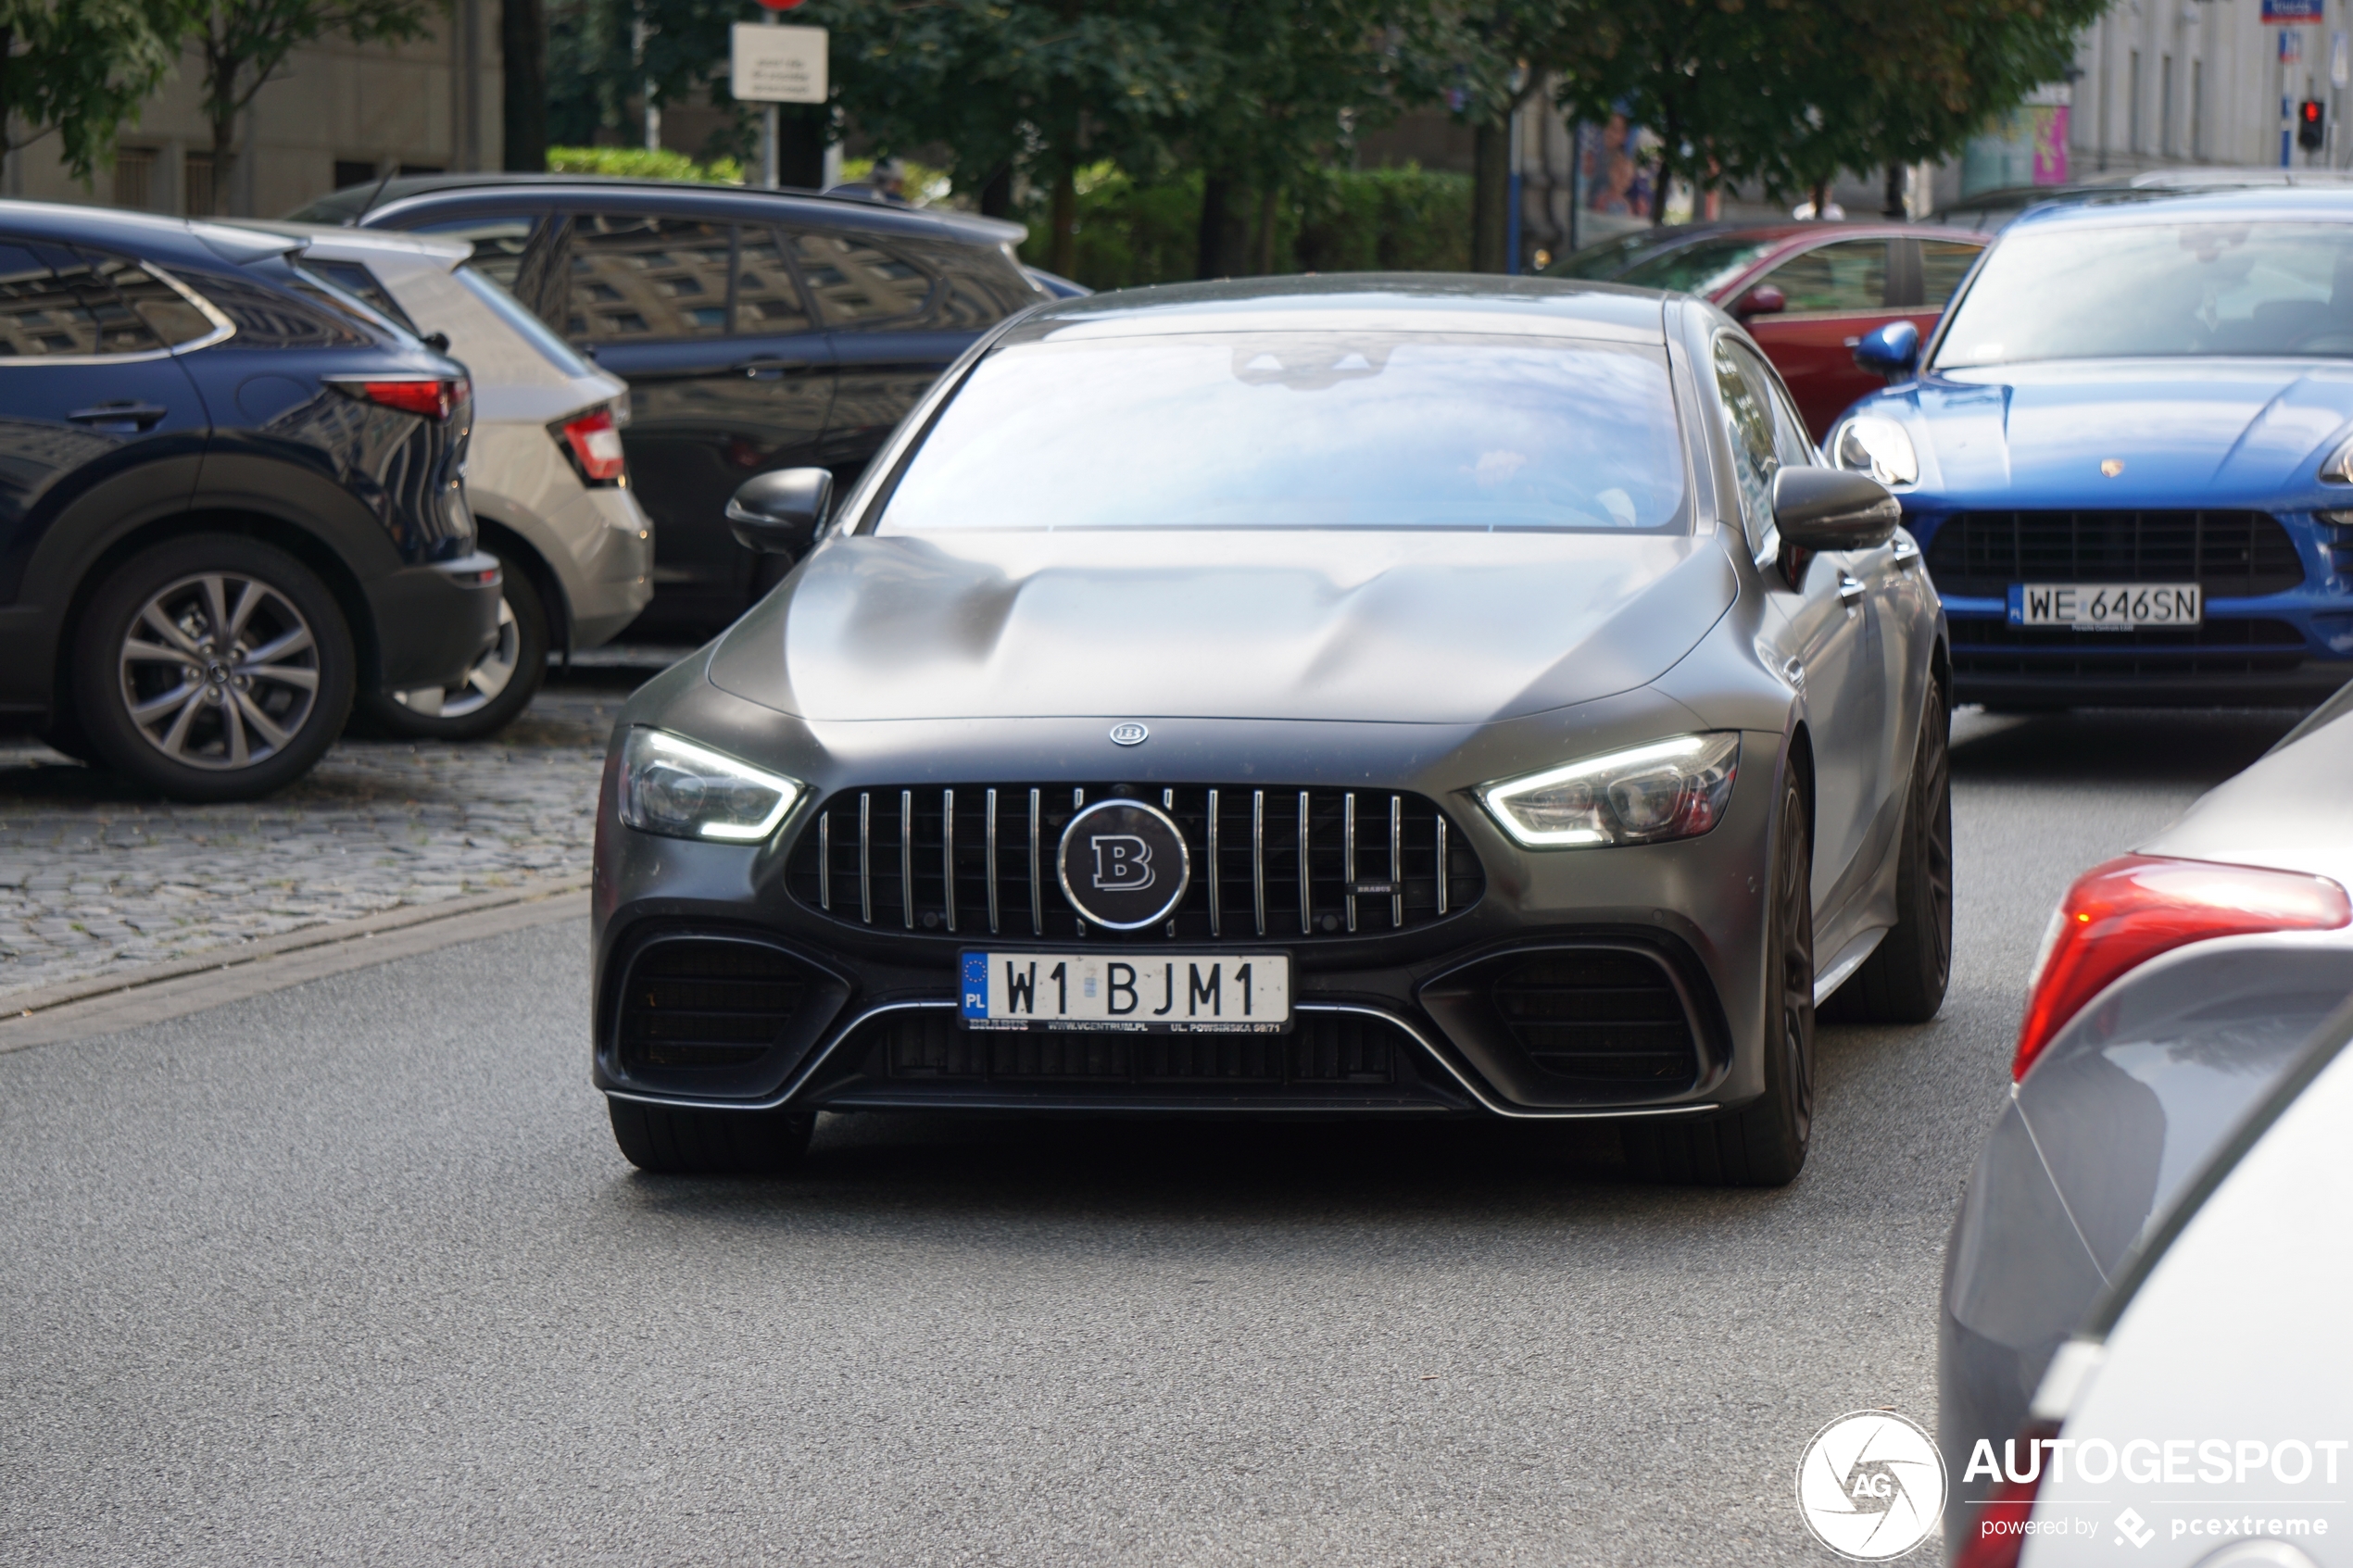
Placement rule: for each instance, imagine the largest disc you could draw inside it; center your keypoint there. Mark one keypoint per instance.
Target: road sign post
(769, 65)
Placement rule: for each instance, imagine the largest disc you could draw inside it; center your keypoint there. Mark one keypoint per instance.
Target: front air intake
(707, 1003)
(1605, 1014)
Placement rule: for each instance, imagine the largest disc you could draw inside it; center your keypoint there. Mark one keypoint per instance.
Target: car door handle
(1850, 591)
(140, 417)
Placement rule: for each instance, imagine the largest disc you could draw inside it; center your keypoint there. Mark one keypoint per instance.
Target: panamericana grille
(2212, 648)
(1321, 1049)
(699, 1003)
(2230, 554)
(978, 860)
(1603, 1013)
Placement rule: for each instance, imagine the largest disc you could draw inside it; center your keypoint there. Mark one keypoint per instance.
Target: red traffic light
(779, 5)
(2311, 125)
(2310, 110)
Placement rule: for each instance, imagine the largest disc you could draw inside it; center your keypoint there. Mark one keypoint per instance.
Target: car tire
(1764, 1143)
(495, 688)
(675, 1141)
(1903, 980)
(163, 698)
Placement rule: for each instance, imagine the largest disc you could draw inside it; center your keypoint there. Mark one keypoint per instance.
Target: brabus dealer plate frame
(1131, 992)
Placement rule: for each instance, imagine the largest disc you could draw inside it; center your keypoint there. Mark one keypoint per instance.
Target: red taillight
(1997, 1533)
(594, 441)
(434, 399)
(2119, 915)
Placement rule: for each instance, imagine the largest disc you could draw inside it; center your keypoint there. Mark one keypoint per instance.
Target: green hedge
(637, 163)
(1328, 221)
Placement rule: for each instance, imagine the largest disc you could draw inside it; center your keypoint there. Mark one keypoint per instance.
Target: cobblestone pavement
(96, 877)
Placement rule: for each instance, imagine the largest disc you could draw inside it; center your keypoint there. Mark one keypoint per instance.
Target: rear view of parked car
(229, 501)
(545, 476)
(757, 331)
(2176, 986)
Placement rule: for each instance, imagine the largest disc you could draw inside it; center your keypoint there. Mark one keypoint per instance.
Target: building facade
(336, 114)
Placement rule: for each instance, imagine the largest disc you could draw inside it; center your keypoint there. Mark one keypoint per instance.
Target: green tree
(82, 70)
(245, 44)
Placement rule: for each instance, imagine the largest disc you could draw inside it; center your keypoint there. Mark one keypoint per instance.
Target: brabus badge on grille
(1129, 733)
(1124, 864)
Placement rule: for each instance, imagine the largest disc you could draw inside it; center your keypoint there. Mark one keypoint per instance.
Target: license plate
(2105, 606)
(1162, 993)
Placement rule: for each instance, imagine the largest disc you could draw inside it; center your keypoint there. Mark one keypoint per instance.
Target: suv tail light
(1997, 1534)
(594, 441)
(433, 398)
(2119, 915)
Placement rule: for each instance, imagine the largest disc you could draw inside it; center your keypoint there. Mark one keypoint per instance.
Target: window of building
(648, 278)
(356, 172)
(134, 178)
(2132, 103)
(2165, 104)
(196, 185)
(2197, 109)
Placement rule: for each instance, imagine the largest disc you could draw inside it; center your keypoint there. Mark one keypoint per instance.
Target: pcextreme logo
(1872, 1486)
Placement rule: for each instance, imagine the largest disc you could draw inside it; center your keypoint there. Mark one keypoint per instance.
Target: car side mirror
(1830, 510)
(1891, 351)
(1762, 300)
(779, 513)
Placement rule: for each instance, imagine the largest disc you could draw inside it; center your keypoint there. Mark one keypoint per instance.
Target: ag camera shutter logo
(1872, 1486)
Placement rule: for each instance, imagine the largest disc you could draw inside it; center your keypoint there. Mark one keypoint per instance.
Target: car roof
(1363, 301)
(185, 239)
(2224, 204)
(352, 203)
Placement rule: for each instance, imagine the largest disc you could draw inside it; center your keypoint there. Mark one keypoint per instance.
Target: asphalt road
(352, 1272)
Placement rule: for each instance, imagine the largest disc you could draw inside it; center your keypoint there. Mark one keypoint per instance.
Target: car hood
(1425, 628)
(2183, 431)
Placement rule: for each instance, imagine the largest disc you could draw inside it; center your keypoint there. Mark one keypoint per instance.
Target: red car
(1804, 291)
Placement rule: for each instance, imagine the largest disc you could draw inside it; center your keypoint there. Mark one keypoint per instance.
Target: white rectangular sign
(777, 65)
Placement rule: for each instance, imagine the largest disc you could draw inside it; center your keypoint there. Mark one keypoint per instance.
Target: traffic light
(2311, 125)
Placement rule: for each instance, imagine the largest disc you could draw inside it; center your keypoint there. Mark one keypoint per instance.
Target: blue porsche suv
(229, 497)
(2128, 451)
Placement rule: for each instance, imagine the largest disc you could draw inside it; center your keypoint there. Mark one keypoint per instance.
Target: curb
(28, 1003)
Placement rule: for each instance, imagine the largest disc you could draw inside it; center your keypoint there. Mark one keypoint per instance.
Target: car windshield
(1302, 430)
(2141, 290)
(1699, 268)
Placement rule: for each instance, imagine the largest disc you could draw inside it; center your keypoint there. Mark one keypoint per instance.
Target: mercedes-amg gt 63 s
(1371, 696)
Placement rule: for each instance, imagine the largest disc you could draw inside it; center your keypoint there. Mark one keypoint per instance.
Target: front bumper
(1419, 1022)
(432, 621)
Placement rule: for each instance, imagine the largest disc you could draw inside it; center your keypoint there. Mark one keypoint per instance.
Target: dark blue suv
(230, 496)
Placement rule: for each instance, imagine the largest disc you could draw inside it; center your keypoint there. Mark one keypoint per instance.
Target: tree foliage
(245, 44)
(82, 70)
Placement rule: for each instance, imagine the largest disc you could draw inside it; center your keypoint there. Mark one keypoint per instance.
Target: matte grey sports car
(1383, 696)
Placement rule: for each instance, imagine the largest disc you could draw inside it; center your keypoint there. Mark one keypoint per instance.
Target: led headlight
(1869, 444)
(1668, 789)
(676, 788)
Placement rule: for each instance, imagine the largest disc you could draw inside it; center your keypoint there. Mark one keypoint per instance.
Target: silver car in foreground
(545, 475)
(1376, 696)
(2178, 986)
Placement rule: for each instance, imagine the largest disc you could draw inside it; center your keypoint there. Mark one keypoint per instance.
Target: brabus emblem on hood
(1129, 733)
(2111, 466)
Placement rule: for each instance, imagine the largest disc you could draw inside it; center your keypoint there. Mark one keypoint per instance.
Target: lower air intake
(1321, 1049)
(700, 1002)
(1607, 1014)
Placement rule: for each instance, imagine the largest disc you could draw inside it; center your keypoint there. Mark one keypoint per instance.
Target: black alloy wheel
(1903, 980)
(1763, 1144)
(495, 687)
(212, 667)
(675, 1141)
